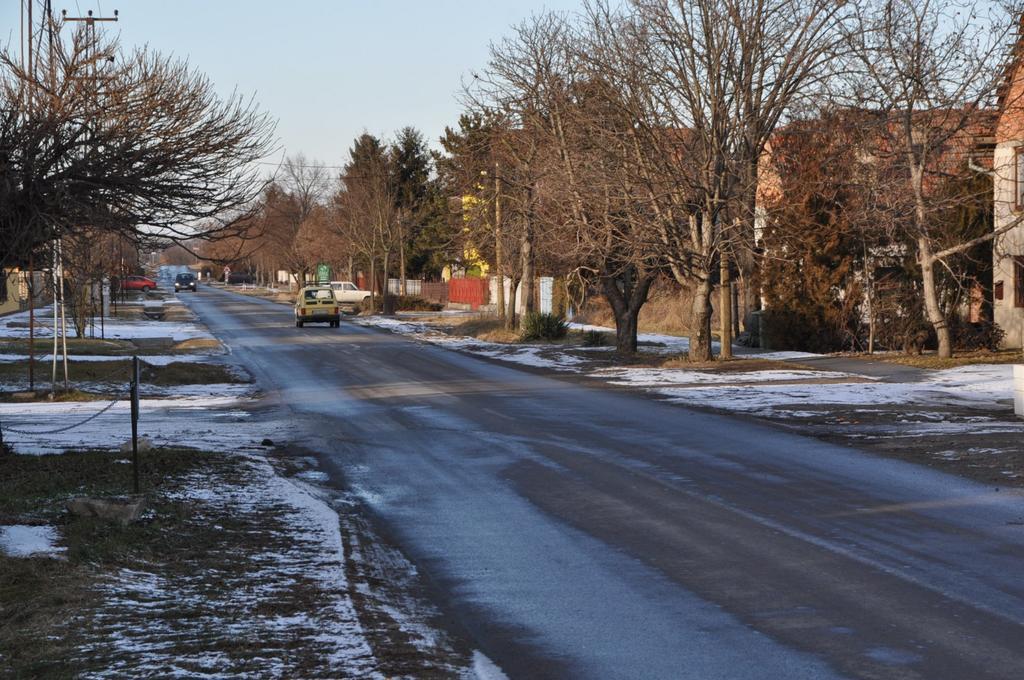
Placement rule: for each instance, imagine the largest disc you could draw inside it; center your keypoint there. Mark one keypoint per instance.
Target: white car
(348, 295)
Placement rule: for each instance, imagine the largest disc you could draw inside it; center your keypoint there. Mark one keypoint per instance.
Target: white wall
(1009, 317)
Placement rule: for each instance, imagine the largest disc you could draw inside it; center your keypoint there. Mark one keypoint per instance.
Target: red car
(142, 283)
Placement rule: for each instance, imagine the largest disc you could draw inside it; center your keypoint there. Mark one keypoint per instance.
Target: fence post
(135, 424)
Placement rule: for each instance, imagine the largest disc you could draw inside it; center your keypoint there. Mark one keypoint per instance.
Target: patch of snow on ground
(543, 356)
(746, 353)
(971, 386)
(195, 422)
(19, 540)
(16, 326)
(528, 355)
(485, 669)
(650, 377)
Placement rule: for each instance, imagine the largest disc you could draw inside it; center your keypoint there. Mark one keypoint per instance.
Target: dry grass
(174, 373)
(194, 344)
(487, 328)
(95, 346)
(75, 346)
(666, 312)
(931, 361)
(44, 395)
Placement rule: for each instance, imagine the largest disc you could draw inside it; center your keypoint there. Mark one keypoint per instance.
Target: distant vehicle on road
(241, 277)
(316, 304)
(185, 281)
(143, 283)
(348, 295)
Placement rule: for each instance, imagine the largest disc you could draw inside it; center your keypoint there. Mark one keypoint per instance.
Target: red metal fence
(434, 292)
(473, 292)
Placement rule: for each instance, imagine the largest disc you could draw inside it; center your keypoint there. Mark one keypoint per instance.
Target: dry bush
(667, 311)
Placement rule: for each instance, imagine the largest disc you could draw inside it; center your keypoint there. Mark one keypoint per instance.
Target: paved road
(571, 531)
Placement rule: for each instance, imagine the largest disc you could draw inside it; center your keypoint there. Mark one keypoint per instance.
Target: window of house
(1018, 178)
(997, 291)
(3, 286)
(1018, 281)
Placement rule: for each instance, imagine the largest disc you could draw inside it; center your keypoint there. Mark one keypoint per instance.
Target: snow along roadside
(755, 392)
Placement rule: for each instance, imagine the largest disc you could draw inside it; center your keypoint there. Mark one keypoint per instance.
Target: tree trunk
(725, 313)
(529, 279)
(931, 299)
(869, 280)
(401, 265)
(625, 331)
(373, 285)
(351, 269)
(510, 315)
(499, 265)
(626, 302)
(700, 340)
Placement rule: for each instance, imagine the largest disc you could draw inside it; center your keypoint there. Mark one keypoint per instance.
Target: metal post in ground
(135, 424)
(31, 324)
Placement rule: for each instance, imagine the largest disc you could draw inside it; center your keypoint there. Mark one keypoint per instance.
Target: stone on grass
(145, 444)
(122, 510)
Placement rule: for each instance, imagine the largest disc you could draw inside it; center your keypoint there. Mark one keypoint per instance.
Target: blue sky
(326, 69)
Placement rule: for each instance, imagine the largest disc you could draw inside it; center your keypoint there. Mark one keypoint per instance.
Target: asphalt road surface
(573, 531)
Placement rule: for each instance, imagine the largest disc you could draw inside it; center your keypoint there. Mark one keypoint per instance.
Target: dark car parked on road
(241, 277)
(185, 281)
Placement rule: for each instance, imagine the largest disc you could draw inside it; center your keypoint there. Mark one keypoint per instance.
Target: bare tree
(137, 144)
(565, 146)
(930, 68)
(706, 83)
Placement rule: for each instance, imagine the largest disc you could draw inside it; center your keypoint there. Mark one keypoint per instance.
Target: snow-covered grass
(292, 591)
(239, 569)
(979, 386)
(16, 326)
(197, 421)
(20, 540)
(658, 377)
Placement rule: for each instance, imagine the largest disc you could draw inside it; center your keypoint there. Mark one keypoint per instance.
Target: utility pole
(90, 23)
(27, 100)
(89, 19)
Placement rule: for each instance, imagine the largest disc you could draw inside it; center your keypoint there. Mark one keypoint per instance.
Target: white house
(1008, 163)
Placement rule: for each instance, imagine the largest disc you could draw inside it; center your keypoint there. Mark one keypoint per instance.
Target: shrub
(969, 337)
(536, 326)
